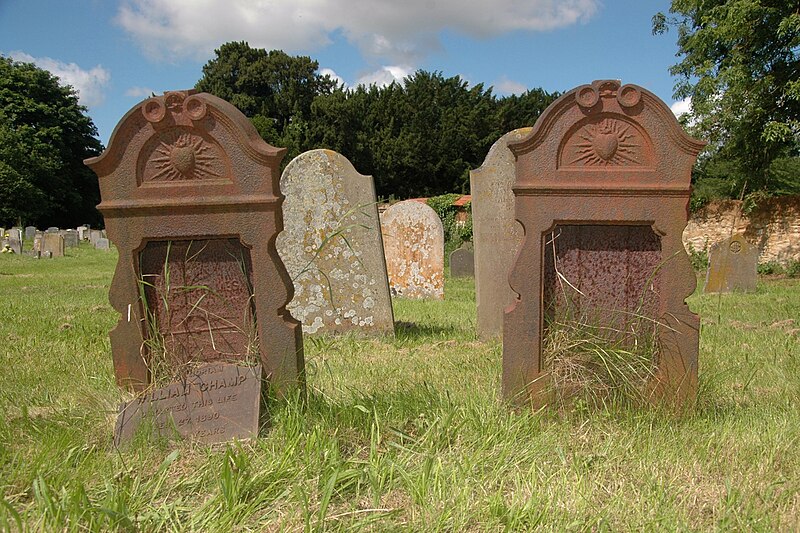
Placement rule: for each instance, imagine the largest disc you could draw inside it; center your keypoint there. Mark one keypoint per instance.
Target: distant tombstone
(732, 266)
(495, 232)
(191, 200)
(30, 232)
(51, 229)
(37, 242)
(70, 238)
(331, 245)
(9, 245)
(211, 403)
(462, 263)
(413, 240)
(102, 244)
(94, 235)
(15, 234)
(53, 243)
(602, 190)
(82, 233)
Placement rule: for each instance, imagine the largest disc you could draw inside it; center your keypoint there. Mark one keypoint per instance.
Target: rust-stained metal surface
(331, 245)
(413, 240)
(606, 170)
(190, 167)
(732, 266)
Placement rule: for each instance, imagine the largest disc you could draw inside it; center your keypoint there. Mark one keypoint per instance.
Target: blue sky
(118, 52)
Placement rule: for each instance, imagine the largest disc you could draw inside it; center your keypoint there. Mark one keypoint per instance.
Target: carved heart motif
(605, 145)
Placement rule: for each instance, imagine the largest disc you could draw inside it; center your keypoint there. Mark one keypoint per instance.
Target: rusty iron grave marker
(191, 199)
(602, 190)
(214, 402)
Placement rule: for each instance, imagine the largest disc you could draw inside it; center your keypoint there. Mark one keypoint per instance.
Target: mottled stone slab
(30, 232)
(53, 243)
(462, 263)
(102, 244)
(332, 248)
(15, 234)
(495, 232)
(37, 242)
(602, 189)
(732, 266)
(70, 238)
(413, 240)
(94, 235)
(212, 403)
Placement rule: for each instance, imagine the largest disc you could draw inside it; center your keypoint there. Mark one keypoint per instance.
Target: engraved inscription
(212, 403)
(606, 142)
(198, 299)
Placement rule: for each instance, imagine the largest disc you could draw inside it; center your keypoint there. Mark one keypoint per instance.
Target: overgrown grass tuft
(397, 434)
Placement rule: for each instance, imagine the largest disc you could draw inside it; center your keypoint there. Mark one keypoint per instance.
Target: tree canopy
(418, 138)
(739, 64)
(44, 137)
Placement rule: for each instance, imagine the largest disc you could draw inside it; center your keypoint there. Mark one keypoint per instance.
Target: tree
(740, 67)
(44, 137)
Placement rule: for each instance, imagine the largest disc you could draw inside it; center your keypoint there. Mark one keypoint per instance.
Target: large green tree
(740, 66)
(44, 137)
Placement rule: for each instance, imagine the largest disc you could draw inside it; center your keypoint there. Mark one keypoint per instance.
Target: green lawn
(405, 434)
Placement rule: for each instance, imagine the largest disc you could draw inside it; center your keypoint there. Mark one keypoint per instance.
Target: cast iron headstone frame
(600, 158)
(190, 168)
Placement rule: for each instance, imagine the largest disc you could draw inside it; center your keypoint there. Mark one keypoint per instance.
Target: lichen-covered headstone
(732, 266)
(495, 233)
(332, 248)
(413, 239)
(52, 243)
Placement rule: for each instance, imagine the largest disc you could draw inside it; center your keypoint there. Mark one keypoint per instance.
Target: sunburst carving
(607, 143)
(184, 157)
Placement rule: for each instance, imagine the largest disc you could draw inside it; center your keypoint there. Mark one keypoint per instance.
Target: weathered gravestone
(462, 263)
(732, 266)
(94, 235)
(83, 232)
(37, 242)
(413, 240)
(191, 199)
(70, 238)
(213, 403)
(102, 244)
(51, 229)
(495, 233)
(602, 190)
(11, 244)
(331, 245)
(15, 234)
(52, 244)
(30, 232)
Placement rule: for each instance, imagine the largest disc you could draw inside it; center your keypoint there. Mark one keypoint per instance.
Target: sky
(118, 52)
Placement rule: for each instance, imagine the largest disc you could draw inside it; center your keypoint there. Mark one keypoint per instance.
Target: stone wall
(774, 226)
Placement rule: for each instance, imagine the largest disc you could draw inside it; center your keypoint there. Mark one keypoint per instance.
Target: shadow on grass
(415, 331)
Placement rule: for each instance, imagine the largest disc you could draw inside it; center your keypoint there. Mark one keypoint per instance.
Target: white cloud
(332, 73)
(505, 86)
(139, 92)
(384, 76)
(682, 107)
(90, 84)
(401, 32)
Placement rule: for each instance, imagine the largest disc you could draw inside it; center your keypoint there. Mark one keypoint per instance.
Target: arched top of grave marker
(186, 145)
(604, 136)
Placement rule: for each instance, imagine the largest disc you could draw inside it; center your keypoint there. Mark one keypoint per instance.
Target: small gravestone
(191, 199)
(70, 238)
(94, 235)
(602, 189)
(732, 266)
(52, 229)
(15, 234)
(30, 232)
(495, 232)
(462, 263)
(102, 244)
(82, 233)
(9, 245)
(53, 243)
(413, 240)
(211, 403)
(37, 242)
(331, 246)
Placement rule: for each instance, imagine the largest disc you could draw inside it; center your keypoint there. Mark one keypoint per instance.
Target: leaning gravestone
(30, 232)
(462, 263)
(331, 246)
(602, 190)
(732, 266)
(102, 244)
(191, 199)
(413, 240)
(495, 233)
(52, 244)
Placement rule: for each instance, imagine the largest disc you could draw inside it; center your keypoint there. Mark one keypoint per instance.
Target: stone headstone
(732, 266)
(102, 244)
(210, 403)
(37, 241)
(191, 199)
(495, 232)
(9, 245)
(331, 245)
(462, 263)
(94, 235)
(52, 229)
(30, 232)
(413, 240)
(70, 238)
(602, 189)
(53, 243)
(82, 233)
(15, 234)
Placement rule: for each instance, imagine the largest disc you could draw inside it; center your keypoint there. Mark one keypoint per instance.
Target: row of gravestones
(194, 200)
(51, 242)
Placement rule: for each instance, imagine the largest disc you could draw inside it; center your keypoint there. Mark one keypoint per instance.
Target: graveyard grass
(403, 434)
